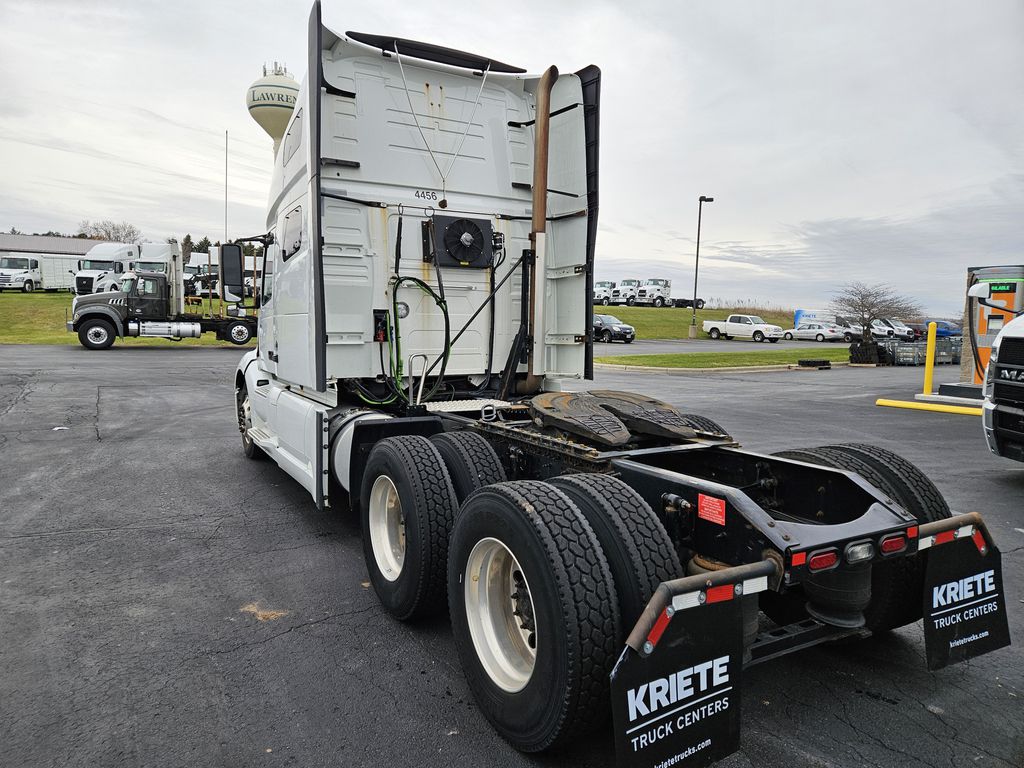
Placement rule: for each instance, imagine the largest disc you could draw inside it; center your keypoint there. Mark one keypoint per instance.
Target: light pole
(696, 264)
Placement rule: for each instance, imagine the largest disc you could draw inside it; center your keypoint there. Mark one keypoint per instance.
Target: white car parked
(815, 331)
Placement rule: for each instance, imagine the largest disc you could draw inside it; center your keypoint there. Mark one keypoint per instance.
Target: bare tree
(866, 303)
(113, 231)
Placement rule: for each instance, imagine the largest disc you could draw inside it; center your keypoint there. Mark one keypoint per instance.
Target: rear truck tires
(638, 548)
(28, 286)
(534, 613)
(249, 447)
(606, 337)
(407, 506)
(659, 302)
(758, 337)
(714, 333)
(787, 336)
(471, 461)
(917, 495)
(894, 587)
(96, 334)
(704, 424)
(239, 333)
(820, 337)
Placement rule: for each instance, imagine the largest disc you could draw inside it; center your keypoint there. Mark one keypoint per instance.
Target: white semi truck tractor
(426, 309)
(103, 266)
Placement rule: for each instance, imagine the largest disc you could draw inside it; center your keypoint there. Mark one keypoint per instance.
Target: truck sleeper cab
(420, 336)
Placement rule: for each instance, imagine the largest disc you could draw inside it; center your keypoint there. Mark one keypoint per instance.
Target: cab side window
(267, 286)
(292, 233)
(148, 287)
(293, 138)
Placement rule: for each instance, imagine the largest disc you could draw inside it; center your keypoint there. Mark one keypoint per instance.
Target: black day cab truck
(425, 317)
(152, 304)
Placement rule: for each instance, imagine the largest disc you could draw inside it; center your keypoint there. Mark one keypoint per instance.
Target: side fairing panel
(565, 320)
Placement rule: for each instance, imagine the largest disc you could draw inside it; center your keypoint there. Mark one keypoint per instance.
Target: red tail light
(890, 545)
(823, 560)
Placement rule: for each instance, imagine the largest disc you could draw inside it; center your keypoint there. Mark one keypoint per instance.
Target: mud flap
(676, 688)
(964, 602)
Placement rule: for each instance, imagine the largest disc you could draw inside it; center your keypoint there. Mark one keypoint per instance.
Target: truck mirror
(979, 291)
(232, 281)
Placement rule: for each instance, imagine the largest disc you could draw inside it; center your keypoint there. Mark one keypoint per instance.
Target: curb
(735, 369)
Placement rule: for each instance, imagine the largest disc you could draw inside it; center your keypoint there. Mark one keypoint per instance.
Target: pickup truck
(748, 326)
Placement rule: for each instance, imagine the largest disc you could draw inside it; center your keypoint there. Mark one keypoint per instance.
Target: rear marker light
(858, 553)
(890, 545)
(823, 560)
(798, 559)
(912, 532)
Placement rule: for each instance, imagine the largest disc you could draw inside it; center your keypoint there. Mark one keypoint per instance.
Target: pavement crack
(269, 638)
(96, 421)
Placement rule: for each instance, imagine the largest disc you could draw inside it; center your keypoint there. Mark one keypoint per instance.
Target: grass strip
(729, 359)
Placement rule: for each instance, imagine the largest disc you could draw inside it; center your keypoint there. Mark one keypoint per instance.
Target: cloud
(869, 141)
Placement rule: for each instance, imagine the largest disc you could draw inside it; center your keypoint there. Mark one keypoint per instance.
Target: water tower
(271, 101)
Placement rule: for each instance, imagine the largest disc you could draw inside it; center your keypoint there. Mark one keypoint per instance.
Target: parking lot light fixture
(696, 264)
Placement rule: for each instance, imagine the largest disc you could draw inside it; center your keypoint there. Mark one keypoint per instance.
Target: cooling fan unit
(461, 242)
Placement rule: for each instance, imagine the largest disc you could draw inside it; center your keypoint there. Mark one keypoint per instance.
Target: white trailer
(29, 272)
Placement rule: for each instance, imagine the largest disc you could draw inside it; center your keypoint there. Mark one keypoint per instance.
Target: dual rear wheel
(542, 579)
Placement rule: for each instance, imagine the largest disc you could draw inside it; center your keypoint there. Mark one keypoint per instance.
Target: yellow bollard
(929, 359)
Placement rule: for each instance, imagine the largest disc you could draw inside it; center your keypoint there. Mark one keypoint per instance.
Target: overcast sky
(869, 140)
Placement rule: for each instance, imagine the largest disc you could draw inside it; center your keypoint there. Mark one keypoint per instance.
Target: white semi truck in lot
(655, 292)
(595, 550)
(103, 266)
(625, 292)
(29, 272)
(158, 257)
(603, 292)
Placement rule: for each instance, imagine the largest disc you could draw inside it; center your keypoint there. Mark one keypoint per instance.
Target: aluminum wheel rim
(240, 333)
(97, 334)
(245, 415)
(497, 600)
(387, 528)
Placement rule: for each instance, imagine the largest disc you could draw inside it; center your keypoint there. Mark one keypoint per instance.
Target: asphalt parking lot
(166, 602)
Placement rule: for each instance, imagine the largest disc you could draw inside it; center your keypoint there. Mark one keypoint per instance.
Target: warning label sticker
(711, 509)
